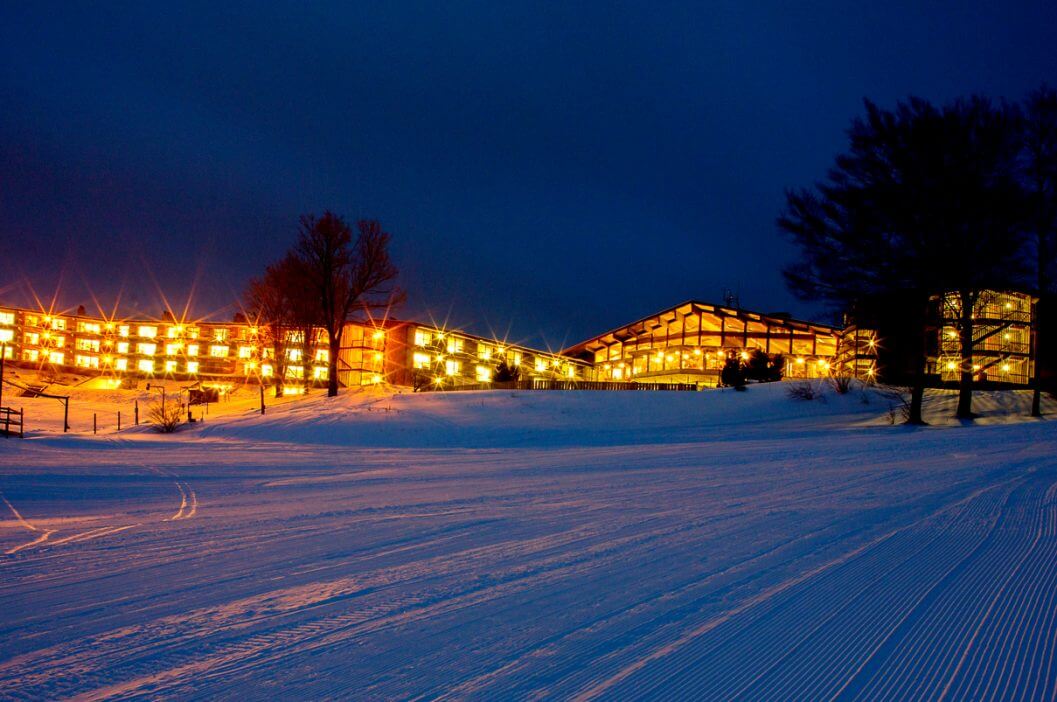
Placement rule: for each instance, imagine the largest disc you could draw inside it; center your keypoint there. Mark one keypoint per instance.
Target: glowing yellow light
(319, 372)
(146, 349)
(697, 352)
(145, 366)
(799, 360)
(378, 335)
(484, 374)
(976, 366)
(951, 365)
(1005, 367)
(172, 349)
(122, 347)
(121, 364)
(245, 351)
(6, 335)
(147, 331)
(266, 370)
(293, 390)
(110, 327)
(192, 349)
(744, 355)
(56, 357)
(170, 366)
(192, 367)
(218, 351)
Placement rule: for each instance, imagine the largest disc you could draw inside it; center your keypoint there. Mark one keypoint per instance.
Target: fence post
(66, 415)
(135, 409)
(119, 420)
(95, 424)
(21, 422)
(262, 398)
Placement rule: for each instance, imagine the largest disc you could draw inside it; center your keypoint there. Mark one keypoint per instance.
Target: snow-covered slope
(510, 546)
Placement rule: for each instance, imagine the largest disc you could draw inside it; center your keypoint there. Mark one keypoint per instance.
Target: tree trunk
(917, 388)
(965, 384)
(1036, 376)
(332, 365)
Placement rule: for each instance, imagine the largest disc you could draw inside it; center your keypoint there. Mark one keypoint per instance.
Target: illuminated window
(378, 335)
(266, 370)
(32, 338)
(322, 356)
(293, 354)
(58, 324)
(484, 352)
(87, 344)
(30, 355)
(55, 357)
(7, 317)
(122, 347)
(294, 337)
(319, 372)
(147, 331)
(192, 349)
(420, 360)
(484, 374)
(454, 345)
(422, 337)
(86, 361)
(249, 367)
(295, 371)
(173, 349)
(192, 367)
(121, 364)
(122, 330)
(192, 332)
(220, 334)
(9, 352)
(541, 364)
(145, 366)
(452, 367)
(146, 349)
(570, 372)
(89, 327)
(7, 335)
(170, 366)
(245, 351)
(516, 358)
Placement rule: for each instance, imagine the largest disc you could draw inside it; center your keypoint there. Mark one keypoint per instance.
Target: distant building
(687, 344)
(690, 343)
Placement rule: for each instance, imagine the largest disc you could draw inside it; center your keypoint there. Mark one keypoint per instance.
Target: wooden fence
(11, 422)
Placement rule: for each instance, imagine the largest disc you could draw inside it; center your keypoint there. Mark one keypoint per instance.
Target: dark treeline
(329, 276)
(930, 200)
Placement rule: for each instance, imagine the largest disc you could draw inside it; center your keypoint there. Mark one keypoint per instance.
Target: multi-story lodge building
(687, 344)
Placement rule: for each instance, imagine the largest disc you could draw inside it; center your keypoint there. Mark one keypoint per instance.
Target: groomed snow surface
(498, 545)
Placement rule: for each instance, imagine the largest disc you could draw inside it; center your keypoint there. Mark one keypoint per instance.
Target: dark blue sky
(555, 172)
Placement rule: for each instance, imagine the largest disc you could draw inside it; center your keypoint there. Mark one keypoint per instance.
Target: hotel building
(685, 344)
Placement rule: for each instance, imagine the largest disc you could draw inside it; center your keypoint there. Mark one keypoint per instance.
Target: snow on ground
(490, 545)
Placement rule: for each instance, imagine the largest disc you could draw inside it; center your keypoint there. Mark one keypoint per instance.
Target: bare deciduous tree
(347, 275)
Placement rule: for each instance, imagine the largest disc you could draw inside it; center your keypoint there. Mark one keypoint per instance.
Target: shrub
(842, 384)
(803, 391)
(733, 374)
(763, 368)
(506, 373)
(165, 416)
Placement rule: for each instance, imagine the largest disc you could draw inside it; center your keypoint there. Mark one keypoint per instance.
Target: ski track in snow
(794, 564)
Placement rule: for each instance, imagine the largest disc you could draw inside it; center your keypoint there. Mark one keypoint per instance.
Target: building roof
(652, 321)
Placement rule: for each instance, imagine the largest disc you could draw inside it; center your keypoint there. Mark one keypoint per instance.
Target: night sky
(547, 174)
